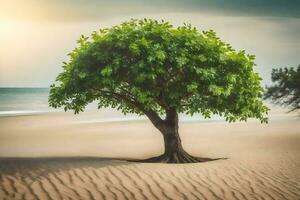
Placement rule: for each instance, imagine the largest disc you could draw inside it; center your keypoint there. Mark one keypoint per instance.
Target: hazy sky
(36, 35)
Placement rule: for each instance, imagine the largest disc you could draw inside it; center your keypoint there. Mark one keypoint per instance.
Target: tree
(152, 68)
(286, 90)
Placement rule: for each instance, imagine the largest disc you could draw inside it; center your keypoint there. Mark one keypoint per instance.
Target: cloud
(86, 10)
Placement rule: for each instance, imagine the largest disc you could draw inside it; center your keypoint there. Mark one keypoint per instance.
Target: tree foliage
(286, 90)
(143, 66)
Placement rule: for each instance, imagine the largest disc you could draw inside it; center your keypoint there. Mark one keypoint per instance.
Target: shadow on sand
(35, 167)
(14, 165)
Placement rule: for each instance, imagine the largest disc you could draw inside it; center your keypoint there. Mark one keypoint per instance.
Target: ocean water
(14, 101)
(28, 101)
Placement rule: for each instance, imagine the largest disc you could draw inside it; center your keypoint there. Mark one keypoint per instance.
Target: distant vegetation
(152, 68)
(286, 88)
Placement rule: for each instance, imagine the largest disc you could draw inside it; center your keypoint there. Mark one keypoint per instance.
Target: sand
(59, 156)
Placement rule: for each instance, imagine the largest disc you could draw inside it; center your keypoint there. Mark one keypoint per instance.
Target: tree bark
(174, 152)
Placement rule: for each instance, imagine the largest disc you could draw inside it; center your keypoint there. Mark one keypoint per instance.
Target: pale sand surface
(263, 160)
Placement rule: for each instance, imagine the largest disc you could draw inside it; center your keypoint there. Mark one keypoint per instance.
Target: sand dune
(263, 161)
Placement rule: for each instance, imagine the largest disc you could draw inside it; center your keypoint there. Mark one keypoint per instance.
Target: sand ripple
(91, 178)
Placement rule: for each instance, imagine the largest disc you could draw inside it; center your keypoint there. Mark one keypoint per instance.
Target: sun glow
(7, 28)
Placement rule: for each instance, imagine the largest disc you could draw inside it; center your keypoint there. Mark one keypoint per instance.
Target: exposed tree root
(182, 157)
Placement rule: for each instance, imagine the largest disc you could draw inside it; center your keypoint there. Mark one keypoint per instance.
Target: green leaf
(82, 75)
(160, 55)
(134, 49)
(107, 71)
(192, 87)
(202, 58)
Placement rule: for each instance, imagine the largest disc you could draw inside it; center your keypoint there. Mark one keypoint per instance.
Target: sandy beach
(61, 156)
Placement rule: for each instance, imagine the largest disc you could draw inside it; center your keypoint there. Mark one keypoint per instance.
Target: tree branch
(152, 115)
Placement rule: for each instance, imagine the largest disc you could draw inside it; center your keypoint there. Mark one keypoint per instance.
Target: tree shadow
(37, 168)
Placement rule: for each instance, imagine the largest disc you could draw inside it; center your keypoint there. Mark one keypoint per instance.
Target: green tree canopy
(286, 90)
(145, 66)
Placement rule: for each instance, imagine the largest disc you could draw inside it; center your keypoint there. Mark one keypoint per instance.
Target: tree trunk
(174, 152)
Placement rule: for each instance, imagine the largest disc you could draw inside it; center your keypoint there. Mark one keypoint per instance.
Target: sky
(37, 35)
